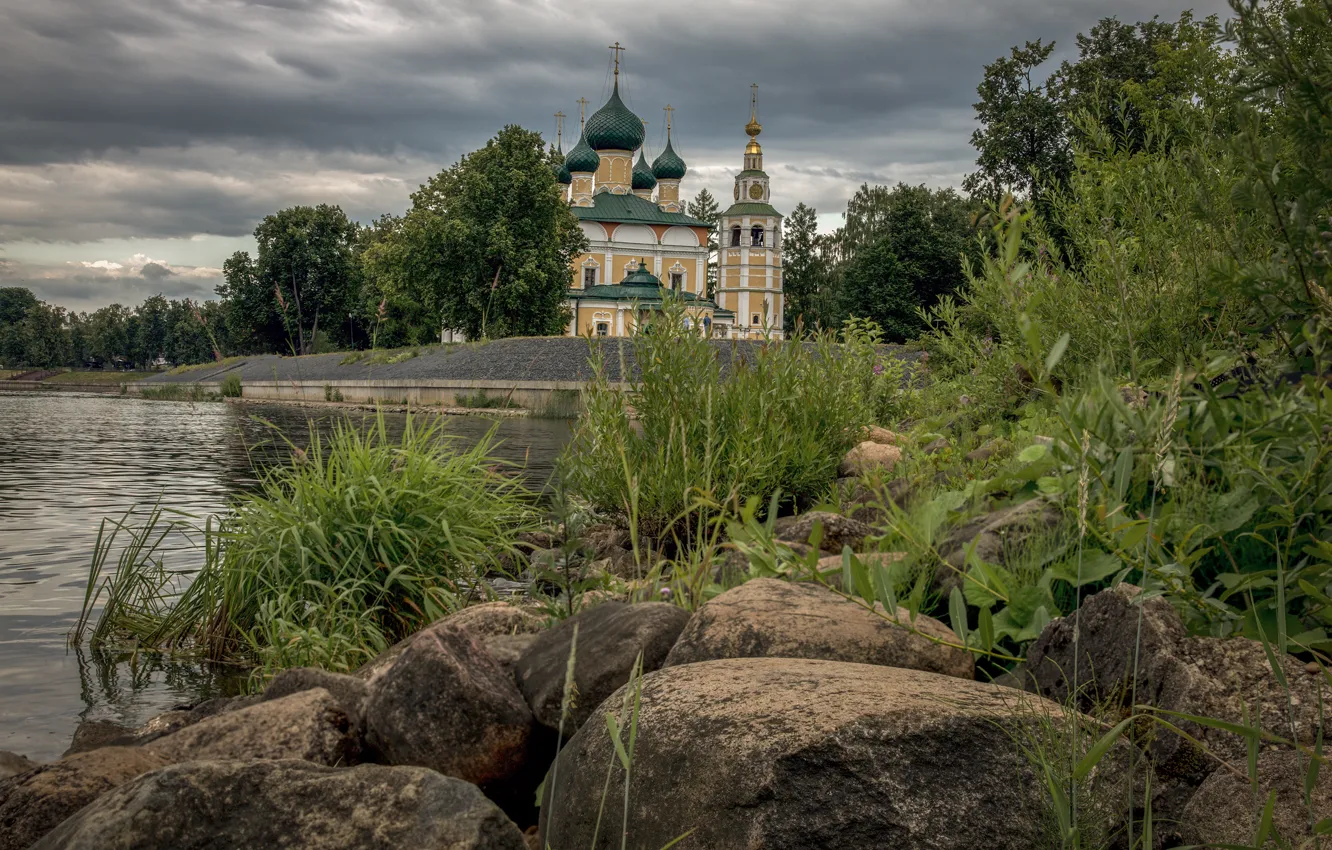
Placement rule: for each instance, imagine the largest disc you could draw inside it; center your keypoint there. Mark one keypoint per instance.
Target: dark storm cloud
(165, 118)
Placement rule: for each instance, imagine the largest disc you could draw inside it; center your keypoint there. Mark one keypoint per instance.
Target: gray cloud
(125, 119)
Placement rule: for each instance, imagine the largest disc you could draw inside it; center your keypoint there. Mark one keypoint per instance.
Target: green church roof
(668, 166)
(643, 177)
(582, 159)
(607, 206)
(614, 127)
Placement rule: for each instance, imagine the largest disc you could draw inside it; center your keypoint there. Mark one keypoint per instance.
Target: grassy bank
(100, 377)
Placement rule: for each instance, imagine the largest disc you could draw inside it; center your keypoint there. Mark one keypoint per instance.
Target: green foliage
(231, 386)
(481, 400)
(486, 245)
(358, 542)
(778, 418)
(705, 208)
(332, 393)
(1022, 145)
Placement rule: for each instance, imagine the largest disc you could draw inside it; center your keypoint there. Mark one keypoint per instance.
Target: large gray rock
(770, 618)
(490, 619)
(838, 530)
(289, 804)
(1207, 677)
(997, 535)
(310, 725)
(34, 803)
(446, 704)
(12, 764)
(610, 637)
(91, 734)
(1225, 809)
(349, 691)
(791, 753)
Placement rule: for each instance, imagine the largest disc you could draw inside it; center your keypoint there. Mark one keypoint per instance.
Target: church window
(603, 328)
(755, 321)
(735, 236)
(756, 235)
(590, 276)
(677, 280)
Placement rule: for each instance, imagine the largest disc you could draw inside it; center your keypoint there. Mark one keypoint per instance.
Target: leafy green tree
(800, 265)
(704, 207)
(928, 233)
(45, 337)
(1022, 143)
(879, 286)
(486, 245)
(253, 321)
(150, 331)
(15, 304)
(305, 262)
(108, 335)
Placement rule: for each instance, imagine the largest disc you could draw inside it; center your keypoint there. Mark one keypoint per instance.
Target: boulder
(446, 704)
(870, 457)
(997, 534)
(290, 804)
(830, 568)
(604, 540)
(1208, 677)
(838, 531)
(610, 637)
(880, 435)
(489, 619)
(349, 691)
(310, 725)
(507, 649)
(795, 753)
(770, 618)
(1225, 810)
(33, 804)
(12, 764)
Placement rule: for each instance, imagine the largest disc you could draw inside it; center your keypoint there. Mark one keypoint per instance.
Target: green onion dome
(613, 127)
(643, 177)
(561, 170)
(582, 159)
(668, 166)
(641, 277)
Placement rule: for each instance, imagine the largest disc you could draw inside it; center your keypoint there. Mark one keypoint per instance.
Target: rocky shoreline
(779, 714)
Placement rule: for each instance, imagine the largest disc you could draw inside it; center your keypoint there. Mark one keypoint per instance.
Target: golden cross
(618, 50)
(669, 110)
(582, 110)
(559, 128)
(753, 102)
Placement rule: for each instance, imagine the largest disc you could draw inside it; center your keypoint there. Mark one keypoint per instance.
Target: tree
(15, 304)
(45, 337)
(487, 243)
(305, 261)
(926, 231)
(149, 341)
(1124, 71)
(253, 321)
(108, 335)
(704, 207)
(879, 286)
(1022, 143)
(800, 262)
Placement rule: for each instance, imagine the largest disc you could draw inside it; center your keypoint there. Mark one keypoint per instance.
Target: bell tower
(749, 263)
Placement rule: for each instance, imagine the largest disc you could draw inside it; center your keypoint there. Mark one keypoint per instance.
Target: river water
(67, 461)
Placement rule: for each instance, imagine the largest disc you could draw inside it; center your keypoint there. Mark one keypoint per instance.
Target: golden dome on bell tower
(753, 128)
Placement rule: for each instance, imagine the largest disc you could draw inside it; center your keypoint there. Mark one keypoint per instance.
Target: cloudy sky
(142, 140)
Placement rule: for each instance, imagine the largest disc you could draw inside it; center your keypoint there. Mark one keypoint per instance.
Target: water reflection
(66, 462)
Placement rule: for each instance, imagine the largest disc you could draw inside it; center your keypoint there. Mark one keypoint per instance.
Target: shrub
(356, 543)
(774, 418)
(231, 386)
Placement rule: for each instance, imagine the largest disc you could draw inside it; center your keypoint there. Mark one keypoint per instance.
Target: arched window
(735, 236)
(756, 235)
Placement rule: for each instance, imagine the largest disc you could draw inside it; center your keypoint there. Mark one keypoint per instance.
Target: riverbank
(71, 381)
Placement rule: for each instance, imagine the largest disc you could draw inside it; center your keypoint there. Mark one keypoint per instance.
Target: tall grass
(357, 542)
(710, 425)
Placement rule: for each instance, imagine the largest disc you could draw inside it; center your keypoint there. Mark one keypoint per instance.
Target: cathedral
(642, 244)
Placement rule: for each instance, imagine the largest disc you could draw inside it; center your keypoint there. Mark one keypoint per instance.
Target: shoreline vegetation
(1065, 581)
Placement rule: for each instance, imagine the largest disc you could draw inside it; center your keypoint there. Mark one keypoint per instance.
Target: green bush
(691, 433)
(358, 542)
(231, 386)
(481, 400)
